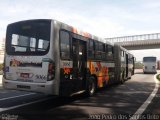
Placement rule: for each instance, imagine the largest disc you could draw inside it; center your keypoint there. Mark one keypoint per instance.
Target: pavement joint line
(17, 96)
(143, 107)
(22, 105)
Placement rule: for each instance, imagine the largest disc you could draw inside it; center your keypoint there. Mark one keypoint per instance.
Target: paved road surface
(120, 100)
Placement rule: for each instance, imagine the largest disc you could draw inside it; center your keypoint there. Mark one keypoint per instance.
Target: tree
(1, 66)
(138, 65)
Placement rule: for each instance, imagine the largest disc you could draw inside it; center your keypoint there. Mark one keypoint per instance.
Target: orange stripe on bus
(74, 30)
(100, 81)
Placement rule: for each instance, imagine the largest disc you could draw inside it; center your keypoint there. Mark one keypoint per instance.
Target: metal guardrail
(153, 36)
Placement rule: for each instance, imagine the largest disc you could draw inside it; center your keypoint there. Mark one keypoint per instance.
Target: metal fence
(153, 36)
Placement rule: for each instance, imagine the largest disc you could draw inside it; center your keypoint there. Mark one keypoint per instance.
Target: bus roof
(69, 28)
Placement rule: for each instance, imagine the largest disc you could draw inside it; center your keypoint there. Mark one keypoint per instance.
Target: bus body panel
(26, 68)
(104, 71)
(124, 63)
(30, 73)
(46, 88)
(150, 65)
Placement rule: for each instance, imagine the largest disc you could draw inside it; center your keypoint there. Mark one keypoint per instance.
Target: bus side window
(90, 49)
(106, 52)
(64, 45)
(110, 52)
(103, 52)
(97, 52)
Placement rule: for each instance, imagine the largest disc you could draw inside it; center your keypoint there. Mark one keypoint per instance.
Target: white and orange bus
(51, 57)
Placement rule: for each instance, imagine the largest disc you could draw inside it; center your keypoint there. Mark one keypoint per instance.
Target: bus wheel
(91, 87)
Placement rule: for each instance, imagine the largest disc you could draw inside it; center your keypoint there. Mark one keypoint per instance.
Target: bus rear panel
(150, 65)
(28, 63)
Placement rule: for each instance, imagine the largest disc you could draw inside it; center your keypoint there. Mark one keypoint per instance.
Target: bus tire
(91, 87)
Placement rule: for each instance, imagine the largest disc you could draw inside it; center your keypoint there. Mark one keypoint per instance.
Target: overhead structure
(138, 42)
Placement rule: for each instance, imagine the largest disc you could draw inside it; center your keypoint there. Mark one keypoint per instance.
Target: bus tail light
(5, 69)
(51, 71)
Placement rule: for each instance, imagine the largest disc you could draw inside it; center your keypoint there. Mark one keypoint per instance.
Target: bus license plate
(23, 86)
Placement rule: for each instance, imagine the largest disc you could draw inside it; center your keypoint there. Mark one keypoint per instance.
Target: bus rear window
(28, 38)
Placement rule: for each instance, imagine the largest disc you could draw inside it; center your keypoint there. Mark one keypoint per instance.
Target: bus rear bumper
(46, 88)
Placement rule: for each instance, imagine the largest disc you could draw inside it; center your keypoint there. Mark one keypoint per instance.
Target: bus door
(133, 62)
(79, 63)
(127, 66)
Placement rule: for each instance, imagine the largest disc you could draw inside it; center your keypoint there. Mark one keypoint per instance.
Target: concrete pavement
(154, 107)
(117, 101)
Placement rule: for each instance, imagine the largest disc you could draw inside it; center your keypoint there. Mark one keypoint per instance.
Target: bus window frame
(91, 49)
(109, 49)
(9, 43)
(98, 55)
(70, 44)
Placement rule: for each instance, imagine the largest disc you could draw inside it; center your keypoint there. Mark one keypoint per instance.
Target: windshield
(28, 37)
(149, 59)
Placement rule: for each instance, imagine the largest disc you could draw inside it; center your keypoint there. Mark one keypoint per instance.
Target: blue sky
(104, 18)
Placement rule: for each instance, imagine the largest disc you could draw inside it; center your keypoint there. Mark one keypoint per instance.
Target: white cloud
(102, 18)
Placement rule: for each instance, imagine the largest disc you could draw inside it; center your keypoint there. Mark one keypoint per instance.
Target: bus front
(28, 63)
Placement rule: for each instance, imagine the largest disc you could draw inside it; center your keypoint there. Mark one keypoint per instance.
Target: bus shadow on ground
(145, 73)
(116, 99)
(140, 71)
